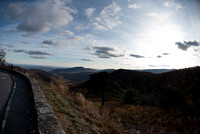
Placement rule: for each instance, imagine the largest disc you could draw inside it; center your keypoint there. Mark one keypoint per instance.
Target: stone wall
(47, 122)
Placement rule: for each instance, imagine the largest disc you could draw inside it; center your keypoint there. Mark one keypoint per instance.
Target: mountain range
(79, 74)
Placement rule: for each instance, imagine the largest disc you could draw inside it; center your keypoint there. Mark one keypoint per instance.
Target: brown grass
(76, 114)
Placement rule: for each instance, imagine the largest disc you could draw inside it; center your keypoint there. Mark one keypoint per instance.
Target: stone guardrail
(47, 121)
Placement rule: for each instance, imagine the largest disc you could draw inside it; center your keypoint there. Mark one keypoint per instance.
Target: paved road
(22, 117)
(6, 85)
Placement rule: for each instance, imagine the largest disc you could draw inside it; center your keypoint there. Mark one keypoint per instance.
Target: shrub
(131, 96)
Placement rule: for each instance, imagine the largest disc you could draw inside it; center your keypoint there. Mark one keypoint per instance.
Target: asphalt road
(22, 117)
(6, 85)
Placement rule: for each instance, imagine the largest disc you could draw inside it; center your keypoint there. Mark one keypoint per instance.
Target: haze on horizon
(131, 34)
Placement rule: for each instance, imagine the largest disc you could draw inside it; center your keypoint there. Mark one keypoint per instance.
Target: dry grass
(76, 114)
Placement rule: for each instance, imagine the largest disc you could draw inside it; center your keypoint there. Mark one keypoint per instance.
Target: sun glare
(165, 36)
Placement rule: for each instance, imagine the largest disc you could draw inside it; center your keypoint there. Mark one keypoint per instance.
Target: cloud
(33, 52)
(136, 56)
(89, 12)
(172, 4)
(52, 42)
(82, 26)
(107, 52)
(5, 45)
(88, 48)
(158, 65)
(192, 43)
(165, 54)
(28, 35)
(88, 59)
(159, 17)
(182, 46)
(40, 16)
(98, 26)
(39, 53)
(13, 31)
(24, 42)
(134, 6)
(76, 39)
(38, 57)
(70, 33)
(20, 51)
(159, 56)
(108, 18)
(185, 45)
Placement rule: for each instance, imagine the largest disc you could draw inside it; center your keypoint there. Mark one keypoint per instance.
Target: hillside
(76, 74)
(175, 89)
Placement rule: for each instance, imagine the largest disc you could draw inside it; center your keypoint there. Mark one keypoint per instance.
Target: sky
(101, 34)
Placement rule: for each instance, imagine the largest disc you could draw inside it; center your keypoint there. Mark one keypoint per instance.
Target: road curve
(22, 118)
(6, 85)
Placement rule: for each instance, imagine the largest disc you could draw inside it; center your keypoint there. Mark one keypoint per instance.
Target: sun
(163, 37)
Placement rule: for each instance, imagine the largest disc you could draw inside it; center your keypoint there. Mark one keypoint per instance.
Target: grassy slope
(75, 113)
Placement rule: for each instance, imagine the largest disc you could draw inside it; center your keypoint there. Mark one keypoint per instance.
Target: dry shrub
(85, 104)
(102, 116)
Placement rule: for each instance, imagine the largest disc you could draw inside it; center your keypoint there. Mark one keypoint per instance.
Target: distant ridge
(156, 71)
(73, 70)
(76, 74)
(79, 74)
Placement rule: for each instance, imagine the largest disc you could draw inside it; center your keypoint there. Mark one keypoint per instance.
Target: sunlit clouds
(131, 34)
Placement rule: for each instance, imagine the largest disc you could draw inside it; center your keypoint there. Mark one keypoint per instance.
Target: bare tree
(2, 57)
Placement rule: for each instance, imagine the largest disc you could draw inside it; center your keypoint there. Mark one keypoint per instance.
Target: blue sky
(130, 34)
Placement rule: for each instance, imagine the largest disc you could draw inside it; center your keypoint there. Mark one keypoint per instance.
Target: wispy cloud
(38, 57)
(98, 26)
(70, 33)
(27, 35)
(136, 56)
(52, 42)
(159, 17)
(185, 45)
(87, 59)
(41, 15)
(6, 45)
(89, 12)
(33, 52)
(107, 52)
(39, 53)
(76, 39)
(20, 51)
(158, 65)
(134, 6)
(24, 42)
(172, 4)
(108, 18)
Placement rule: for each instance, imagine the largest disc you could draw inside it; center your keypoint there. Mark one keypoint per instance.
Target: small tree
(131, 96)
(2, 57)
(101, 84)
